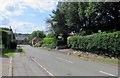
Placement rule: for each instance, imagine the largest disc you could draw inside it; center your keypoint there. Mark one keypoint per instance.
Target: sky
(26, 16)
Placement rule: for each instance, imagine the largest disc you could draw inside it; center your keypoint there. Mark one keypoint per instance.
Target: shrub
(61, 43)
(49, 42)
(107, 44)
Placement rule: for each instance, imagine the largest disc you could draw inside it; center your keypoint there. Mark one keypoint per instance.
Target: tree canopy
(37, 33)
(74, 17)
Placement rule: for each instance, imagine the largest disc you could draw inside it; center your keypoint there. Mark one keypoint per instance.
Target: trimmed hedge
(49, 42)
(107, 44)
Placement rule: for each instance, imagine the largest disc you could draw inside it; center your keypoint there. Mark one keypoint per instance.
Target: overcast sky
(25, 16)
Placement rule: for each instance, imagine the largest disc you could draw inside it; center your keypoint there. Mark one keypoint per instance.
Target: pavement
(5, 66)
(38, 62)
(0, 67)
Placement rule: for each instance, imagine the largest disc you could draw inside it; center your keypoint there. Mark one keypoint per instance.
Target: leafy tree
(37, 34)
(50, 35)
(105, 17)
(88, 16)
(58, 24)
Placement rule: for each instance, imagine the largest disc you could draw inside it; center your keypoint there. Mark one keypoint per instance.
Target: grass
(21, 51)
(105, 60)
(8, 52)
(100, 59)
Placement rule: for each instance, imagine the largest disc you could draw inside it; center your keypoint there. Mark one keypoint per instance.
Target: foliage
(50, 35)
(37, 34)
(107, 44)
(8, 39)
(88, 16)
(49, 42)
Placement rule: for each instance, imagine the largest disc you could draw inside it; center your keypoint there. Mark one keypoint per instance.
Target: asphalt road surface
(38, 62)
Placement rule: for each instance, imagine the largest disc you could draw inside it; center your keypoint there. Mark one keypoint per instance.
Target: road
(38, 62)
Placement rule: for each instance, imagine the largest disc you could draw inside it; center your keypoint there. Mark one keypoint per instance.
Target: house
(36, 40)
(22, 39)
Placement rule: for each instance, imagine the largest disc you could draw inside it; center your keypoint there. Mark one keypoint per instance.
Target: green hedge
(49, 42)
(107, 44)
(6, 39)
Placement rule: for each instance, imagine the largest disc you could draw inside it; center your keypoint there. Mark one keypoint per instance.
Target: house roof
(21, 37)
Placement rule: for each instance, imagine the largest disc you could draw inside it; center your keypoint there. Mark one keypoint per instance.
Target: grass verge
(99, 59)
(21, 51)
(105, 60)
(8, 52)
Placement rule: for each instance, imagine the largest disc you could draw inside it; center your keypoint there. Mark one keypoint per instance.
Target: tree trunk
(65, 39)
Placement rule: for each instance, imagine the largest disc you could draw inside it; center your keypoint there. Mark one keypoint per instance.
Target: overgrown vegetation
(107, 44)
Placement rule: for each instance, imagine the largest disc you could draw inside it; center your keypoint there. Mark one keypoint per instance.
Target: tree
(65, 19)
(37, 34)
(50, 35)
(88, 16)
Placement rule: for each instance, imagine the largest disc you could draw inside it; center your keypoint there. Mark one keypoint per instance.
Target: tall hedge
(49, 42)
(6, 38)
(107, 44)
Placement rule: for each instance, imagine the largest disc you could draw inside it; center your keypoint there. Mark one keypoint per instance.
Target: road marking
(10, 67)
(106, 73)
(64, 60)
(42, 67)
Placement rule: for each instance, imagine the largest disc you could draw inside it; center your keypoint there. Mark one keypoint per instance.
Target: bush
(49, 42)
(107, 44)
(61, 43)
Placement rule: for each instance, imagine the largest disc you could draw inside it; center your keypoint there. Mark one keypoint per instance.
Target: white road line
(64, 60)
(42, 67)
(10, 67)
(106, 73)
